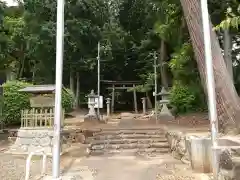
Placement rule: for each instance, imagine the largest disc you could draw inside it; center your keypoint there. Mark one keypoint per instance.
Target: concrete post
(144, 105)
(108, 106)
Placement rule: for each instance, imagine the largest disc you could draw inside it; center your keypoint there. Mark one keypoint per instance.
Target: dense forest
(130, 32)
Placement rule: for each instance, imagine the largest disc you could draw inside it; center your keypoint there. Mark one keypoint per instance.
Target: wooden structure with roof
(42, 104)
(122, 85)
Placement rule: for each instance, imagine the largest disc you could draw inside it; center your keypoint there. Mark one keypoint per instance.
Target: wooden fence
(39, 117)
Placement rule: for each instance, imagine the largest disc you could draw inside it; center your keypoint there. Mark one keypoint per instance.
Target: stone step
(130, 131)
(114, 120)
(130, 146)
(128, 136)
(133, 152)
(113, 123)
(125, 141)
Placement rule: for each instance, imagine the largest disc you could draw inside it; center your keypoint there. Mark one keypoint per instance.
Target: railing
(28, 163)
(39, 117)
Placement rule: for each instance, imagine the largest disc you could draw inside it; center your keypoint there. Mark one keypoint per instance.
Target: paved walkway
(127, 168)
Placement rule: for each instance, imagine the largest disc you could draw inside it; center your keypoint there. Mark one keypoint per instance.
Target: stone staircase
(140, 141)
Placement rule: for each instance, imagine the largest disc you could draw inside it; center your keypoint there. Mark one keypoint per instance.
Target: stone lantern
(91, 105)
(165, 112)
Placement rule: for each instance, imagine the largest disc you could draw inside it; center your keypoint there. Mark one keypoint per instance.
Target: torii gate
(122, 85)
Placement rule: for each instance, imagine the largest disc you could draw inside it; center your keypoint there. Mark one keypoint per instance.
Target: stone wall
(228, 152)
(229, 163)
(68, 135)
(30, 140)
(74, 136)
(178, 146)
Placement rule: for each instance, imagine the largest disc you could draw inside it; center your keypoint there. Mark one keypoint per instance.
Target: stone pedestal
(91, 114)
(30, 140)
(165, 113)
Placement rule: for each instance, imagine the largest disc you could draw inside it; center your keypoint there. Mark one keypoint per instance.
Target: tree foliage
(130, 31)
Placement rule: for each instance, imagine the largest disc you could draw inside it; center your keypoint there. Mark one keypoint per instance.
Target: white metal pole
(155, 82)
(210, 85)
(58, 90)
(98, 89)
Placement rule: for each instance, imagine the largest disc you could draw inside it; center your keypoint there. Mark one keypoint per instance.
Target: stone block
(201, 154)
(24, 141)
(228, 157)
(45, 141)
(177, 142)
(30, 140)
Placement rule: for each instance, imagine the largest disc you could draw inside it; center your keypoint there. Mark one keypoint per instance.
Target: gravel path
(13, 167)
(101, 168)
(127, 168)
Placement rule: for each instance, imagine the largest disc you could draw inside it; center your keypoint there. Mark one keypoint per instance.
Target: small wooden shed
(42, 102)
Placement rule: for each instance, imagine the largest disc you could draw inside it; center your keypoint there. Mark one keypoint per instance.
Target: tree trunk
(149, 102)
(22, 63)
(228, 52)
(21, 69)
(77, 90)
(162, 63)
(71, 80)
(228, 107)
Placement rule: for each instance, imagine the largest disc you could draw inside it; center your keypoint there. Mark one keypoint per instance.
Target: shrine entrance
(117, 87)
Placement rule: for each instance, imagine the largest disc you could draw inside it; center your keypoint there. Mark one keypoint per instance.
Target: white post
(155, 83)
(210, 85)
(58, 91)
(98, 88)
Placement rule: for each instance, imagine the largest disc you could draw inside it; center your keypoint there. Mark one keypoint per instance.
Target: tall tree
(228, 106)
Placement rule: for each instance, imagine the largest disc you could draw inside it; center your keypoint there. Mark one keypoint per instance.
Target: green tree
(227, 98)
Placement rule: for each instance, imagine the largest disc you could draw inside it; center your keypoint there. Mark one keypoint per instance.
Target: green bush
(182, 98)
(14, 101)
(187, 98)
(67, 99)
(187, 93)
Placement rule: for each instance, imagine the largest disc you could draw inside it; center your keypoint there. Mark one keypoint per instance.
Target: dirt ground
(14, 168)
(194, 120)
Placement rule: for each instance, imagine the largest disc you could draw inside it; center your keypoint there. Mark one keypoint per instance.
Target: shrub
(182, 98)
(67, 99)
(187, 93)
(14, 101)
